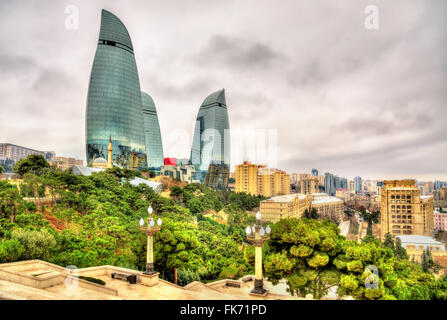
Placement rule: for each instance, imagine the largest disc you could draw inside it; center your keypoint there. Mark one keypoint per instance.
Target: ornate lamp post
(258, 235)
(150, 231)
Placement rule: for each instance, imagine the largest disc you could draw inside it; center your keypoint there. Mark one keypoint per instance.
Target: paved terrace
(40, 280)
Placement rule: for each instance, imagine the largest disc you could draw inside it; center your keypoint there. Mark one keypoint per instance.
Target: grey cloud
(343, 99)
(398, 122)
(237, 53)
(51, 81)
(16, 64)
(194, 88)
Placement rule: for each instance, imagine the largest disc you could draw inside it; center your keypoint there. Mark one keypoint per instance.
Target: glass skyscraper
(114, 106)
(154, 145)
(211, 141)
(358, 184)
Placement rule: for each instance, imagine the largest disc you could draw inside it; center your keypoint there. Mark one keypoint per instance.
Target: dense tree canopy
(313, 257)
(34, 164)
(94, 221)
(303, 253)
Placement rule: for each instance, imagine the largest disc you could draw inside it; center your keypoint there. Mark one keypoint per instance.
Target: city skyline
(308, 83)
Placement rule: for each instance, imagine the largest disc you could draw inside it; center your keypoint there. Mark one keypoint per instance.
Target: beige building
(415, 246)
(16, 153)
(321, 181)
(343, 194)
(404, 211)
(64, 163)
(443, 194)
(246, 175)
(184, 173)
(272, 182)
(286, 206)
(351, 186)
(328, 207)
(309, 185)
(257, 180)
(294, 205)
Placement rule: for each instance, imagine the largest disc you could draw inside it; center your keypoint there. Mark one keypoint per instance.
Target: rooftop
(100, 160)
(419, 240)
(148, 102)
(215, 97)
(318, 198)
(87, 171)
(286, 197)
(112, 29)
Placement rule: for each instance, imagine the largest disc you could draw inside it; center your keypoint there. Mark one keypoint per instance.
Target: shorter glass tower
(154, 145)
(211, 141)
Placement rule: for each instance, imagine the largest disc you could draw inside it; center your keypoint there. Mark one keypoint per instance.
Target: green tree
(2, 170)
(441, 288)
(34, 163)
(389, 241)
(186, 276)
(10, 250)
(428, 264)
(302, 252)
(10, 199)
(312, 214)
(33, 182)
(400, 251)
(37, 244)
(176, 192)
(195, 205)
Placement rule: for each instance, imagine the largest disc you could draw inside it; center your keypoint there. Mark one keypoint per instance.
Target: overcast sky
(342, 98)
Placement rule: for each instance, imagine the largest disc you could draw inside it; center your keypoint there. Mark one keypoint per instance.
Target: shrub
(94, 280)
(10, 250)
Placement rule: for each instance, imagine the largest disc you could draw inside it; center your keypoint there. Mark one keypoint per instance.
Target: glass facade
(154, 145)
(114, 106)
(211, 141)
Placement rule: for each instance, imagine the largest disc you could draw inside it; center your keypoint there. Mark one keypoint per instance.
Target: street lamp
(150, 231)
(258, 235)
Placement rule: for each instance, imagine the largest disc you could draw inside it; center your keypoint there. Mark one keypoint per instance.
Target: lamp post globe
(258, 239)
(150, 231)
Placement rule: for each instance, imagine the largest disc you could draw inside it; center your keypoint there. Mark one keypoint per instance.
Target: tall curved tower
(211, 141)
(154, 145)
(114, 105)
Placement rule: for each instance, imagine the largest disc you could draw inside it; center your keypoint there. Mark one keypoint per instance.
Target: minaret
(109, 153)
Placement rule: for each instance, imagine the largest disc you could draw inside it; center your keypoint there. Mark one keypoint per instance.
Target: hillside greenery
(94, 221)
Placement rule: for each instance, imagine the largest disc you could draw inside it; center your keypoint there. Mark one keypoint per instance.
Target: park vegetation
(94, 221)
